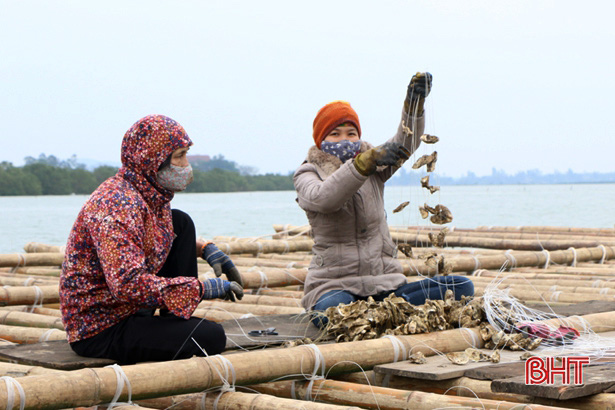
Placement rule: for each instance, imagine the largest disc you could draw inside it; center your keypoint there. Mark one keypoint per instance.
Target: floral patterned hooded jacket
(122, 237)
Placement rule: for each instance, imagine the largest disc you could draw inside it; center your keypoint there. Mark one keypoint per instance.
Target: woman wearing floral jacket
(129, 254)
(340, 186)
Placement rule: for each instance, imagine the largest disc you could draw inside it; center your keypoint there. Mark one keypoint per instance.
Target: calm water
(48, 219)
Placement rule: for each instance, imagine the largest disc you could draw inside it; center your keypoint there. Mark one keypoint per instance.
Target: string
(38, 298)
(603, 253)
(397, 347)
(121, 381)
(574, 256)
(11, 385)
(548, 256)
(45, 336)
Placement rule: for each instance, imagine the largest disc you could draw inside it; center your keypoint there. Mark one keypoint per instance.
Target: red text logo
(543, 370)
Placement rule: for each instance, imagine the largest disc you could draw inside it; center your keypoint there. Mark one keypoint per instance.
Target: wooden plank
(54, 355)
(596, 379)
(288, 327)
(497, 371)
(440, 368)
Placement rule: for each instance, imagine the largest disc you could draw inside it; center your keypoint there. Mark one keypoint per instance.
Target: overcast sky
(518, 85)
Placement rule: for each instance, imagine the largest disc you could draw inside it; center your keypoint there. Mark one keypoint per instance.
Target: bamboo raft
(570, 269)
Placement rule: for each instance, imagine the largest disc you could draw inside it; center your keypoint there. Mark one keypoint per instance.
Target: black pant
(144, 337)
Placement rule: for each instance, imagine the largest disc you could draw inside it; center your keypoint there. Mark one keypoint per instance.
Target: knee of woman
(218, 336)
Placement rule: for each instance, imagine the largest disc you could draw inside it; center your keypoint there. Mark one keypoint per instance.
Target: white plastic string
(475, 341)
(555, 296)
(398, 347)
(476, 262)
(293, 394)
(604, 291)
(603, 253)
(227, 249)
(11, 385)
(286, 248)
(38, 298)
(553, 288)
(45, 336)
(597, 283)
(21, 262)
(548, 256)
(574, 256)
(291, 265)
(260, 248)
(319, 363)
(121, 381)
(478, 272)
(511, 258)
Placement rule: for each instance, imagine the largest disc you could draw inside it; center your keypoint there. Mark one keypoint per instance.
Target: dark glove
(220, 288)
(387, 154)
(221, 263)
(418, 90)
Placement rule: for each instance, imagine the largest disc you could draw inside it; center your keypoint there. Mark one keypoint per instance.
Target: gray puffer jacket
(353, 250)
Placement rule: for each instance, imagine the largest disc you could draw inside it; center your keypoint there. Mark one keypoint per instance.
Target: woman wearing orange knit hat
(340, 186)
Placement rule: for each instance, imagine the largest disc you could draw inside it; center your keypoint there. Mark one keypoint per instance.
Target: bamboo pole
(542, 236)
(27, 335)
(234, 400)
(30, 309)
(31, 259)
(34, 271)
(521, 259)
(25, 281)
(558, 229)
(265, 277)
(23, 295)
(37, 247)
(271, 300)
(375, 397)
(422, 240)
(15, 318)
(21, 370)
(257, 310)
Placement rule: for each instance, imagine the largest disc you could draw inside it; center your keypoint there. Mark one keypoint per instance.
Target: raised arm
(412, 123)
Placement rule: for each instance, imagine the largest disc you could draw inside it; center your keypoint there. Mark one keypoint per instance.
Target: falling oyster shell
(441, 215)
(406, 249)
(429, 160)
(401, 206)
(437, 240)
(425, 184)
(424, 212)
(459, 358)
(429, 139)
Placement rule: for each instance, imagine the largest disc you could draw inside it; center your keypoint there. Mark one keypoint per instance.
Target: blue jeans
(414, 292)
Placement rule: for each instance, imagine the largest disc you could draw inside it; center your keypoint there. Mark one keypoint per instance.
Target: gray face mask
(343, 149)
(175, 178)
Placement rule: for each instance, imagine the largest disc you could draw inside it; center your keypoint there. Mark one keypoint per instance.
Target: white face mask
(175, 178)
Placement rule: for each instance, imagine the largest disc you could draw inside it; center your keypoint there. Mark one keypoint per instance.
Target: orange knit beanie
(331, 116)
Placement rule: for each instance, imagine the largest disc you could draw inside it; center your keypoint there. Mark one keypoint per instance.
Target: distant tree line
(47, 175)
(499, 177)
